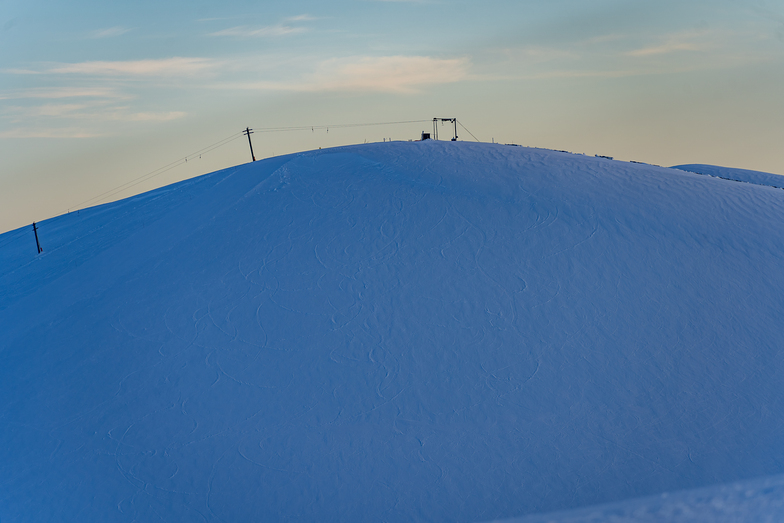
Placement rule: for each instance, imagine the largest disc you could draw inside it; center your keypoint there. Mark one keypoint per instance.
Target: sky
(96, 98)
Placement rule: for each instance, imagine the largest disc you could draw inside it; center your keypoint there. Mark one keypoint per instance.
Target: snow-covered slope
(759, 501)
(403, 331)
(738, 175)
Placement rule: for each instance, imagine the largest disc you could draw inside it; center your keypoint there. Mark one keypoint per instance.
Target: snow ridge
(738, 175)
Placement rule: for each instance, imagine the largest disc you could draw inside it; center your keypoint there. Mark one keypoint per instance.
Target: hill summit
(435, 331)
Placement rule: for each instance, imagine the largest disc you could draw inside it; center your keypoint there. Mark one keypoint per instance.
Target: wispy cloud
(51, 110)
(160, 67)
(70, 132)
(538, 54)
(611, 73)
(95, 112)
(675, 43)
(267, 31)
(61, 92)
(605, 38)
(617, 55)
(220, 19)
(666, 49)
(99, 95)
(288, 26)
(152, 117)
(387, 73)
(19, 71)
(301, 18)
(394, 74)
(109, 32)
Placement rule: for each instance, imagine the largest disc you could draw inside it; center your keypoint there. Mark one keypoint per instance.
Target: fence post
(37, 244)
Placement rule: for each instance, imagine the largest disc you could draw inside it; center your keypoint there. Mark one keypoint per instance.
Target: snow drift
(759, 500)
(738, 175)
(403, 331)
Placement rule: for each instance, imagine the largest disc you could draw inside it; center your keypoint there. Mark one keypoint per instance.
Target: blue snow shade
(758, 500)
(434, 331)
(738, 175)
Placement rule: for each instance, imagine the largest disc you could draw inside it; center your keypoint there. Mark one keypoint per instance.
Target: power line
(136, 181)
(153, 174)
(469, 132)
(338, 126)
(157, 172)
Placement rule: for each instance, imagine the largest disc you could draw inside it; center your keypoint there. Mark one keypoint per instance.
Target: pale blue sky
(93, 94)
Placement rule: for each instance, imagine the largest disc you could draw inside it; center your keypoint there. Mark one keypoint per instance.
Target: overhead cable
(469, 132)
(156, 172)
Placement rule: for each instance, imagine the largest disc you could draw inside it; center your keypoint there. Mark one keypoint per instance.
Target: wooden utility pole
(247, 132)
(35, 230)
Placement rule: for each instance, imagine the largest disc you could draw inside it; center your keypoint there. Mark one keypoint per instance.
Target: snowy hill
(403, 331)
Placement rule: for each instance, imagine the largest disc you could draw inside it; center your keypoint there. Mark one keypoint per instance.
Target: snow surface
(436, 331)
(738, 175)
(760, 501)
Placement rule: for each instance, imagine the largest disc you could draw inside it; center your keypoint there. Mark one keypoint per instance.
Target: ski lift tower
(442, 120)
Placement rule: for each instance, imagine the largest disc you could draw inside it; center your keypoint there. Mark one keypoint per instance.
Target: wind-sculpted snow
(760, 501)
(738, 175)
(427, 331)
